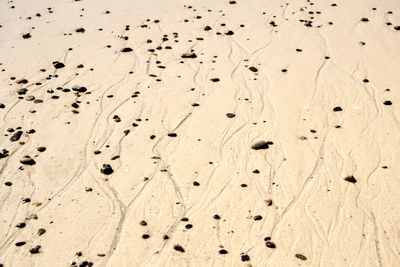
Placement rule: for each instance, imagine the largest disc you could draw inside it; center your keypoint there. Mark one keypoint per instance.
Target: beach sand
(199, 133)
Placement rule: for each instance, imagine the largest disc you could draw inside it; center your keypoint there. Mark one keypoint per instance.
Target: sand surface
(88, 83)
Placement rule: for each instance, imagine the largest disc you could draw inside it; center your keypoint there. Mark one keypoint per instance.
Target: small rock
(268, 202)
(20, 244)
(253, 69)
(35, 250)
(300, 256)
(41, 149)
(58, 65)
(223, 252)
(350, 179)
(245, 257)
(126, 49)
(337, 109)
(270, 244)
(106, 169)
(179, 248)
(189, 55)
(81, 30)
(387, 103)
(172, 135)
(41, 231)
(257, 217)
(26, 35)
(261, 145)
(16, 136)
(27, 161)
(21, 225)
(230, 115)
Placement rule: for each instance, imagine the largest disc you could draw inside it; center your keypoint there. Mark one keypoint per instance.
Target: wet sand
(199, 133)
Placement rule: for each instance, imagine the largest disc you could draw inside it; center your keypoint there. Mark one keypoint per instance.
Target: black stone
(337, 109)
(16, 136)
(20, 244)
(230, 115)
(217, 217)
(81, 30)
(179, 248)
(270, 244)
(172, 135)
(106, 169)
(257, 218)
(58, 65)
(253, 69)
(387, 103)
(126, 49)
(261, 145)
(35, 250)
(223, 252)
(245, 257)
(300, 256)
(21, 225)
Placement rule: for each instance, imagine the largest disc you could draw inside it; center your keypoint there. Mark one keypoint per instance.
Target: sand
(130, 133)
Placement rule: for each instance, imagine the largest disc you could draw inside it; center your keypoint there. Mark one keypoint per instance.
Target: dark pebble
(2, 105)
(223, 252)
(270, 244)
(253, 69)
(41, 231)
(179, 248)
(58, 65)
(387, 103)
(16, 136)
(188, 226)
(256, 171)
(300, 256)
(230, 115)
(337, 109)
(81, 30)
(245, 257)
(106, 169)
(350, 179)
(189, 55)
(20, 244)
(257, 218)
(261, 145)
(229, 33)
(172, 135)
(26, 35)
(217, 217)
(145, 236)
(41, 149)
(126, 49)
(21, 225)
(27, 161)
(35, 250)
(215, 80)
(8, 183)
(207, 28)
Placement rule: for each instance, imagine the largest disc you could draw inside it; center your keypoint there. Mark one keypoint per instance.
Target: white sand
(314, 211)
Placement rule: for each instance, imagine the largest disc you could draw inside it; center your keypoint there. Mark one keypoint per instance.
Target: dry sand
(184, 186)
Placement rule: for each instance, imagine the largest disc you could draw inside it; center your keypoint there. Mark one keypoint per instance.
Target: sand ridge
(199, 133)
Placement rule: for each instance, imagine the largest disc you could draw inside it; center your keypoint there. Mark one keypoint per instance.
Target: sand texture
(199, 133)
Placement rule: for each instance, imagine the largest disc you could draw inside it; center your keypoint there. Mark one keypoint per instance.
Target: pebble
(268, 202)
(270, 244)
(58, 65)
(145, 236)
(387, 103)
(143, 223)
(350, 179)
(8, 183)
(41, 149)
(16, 136)
(35, 250)
(20, 244)
(27, 161)
(300, 256)
(230, 115)
(26, 35)
(106, 169)
(261, 145)
(217, 217)
(2, 105)
(253, 69)
(81, 30)
(21, 225)
(215, 80)
(337, 109)
(179, 248)
(172, 135)
(189, 55)
(41, 231)
(126, 49)
(245, 257)
(223, 252)
(257, 217)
